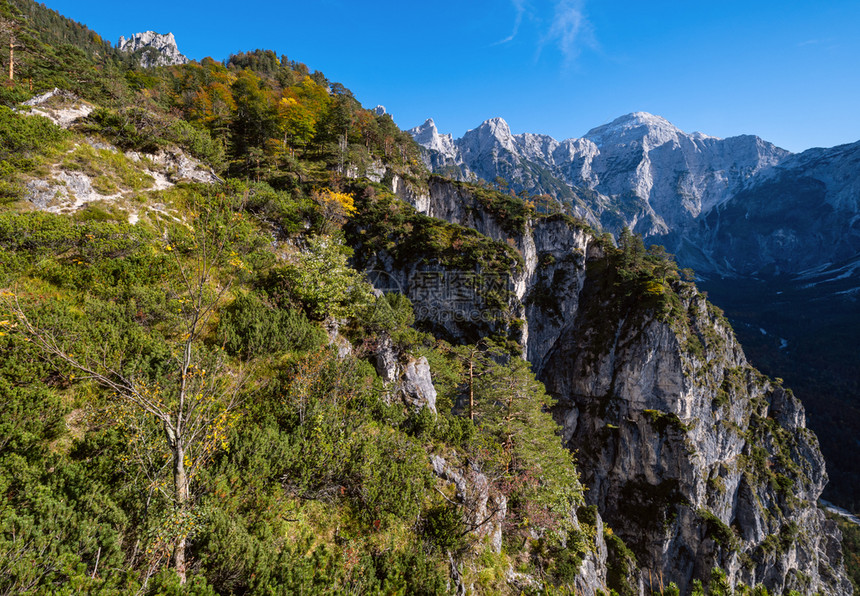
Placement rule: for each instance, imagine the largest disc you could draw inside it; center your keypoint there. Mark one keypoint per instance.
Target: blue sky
(788, 71)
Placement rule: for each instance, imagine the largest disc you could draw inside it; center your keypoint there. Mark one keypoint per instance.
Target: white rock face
(165, 45)
(427, 135)
(60, 107)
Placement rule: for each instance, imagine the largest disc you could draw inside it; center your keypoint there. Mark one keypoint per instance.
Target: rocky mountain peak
(159, 50)
(640, 170)
(650, 129)
(491, 134)
(427, 135)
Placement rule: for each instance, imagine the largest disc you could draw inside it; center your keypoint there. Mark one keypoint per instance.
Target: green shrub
(22, 137)
(620, 565)
(718, 585)
(443, 527)
(131, 129)
(198, 142)
(391, 474)
(166, 583)
(568, 561)
(321, 280)
(12, 96)
(718, 531)
(248, 327)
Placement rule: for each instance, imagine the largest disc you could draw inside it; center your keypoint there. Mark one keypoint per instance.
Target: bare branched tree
(195, 404)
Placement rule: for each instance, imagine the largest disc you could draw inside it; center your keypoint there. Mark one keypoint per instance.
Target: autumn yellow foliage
(336, 206)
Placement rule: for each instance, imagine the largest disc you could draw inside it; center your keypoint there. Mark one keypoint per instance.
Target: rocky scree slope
(695, 459)
(90, 170)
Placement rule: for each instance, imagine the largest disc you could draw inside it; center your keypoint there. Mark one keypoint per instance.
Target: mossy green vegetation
(110, 170)
(628, 288)
(23, 141)
(718, 531)
(620, 565)
(664, 421)
(386, 224)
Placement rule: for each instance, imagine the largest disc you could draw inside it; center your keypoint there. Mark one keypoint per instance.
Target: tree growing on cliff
(516, 442)
(533, 467)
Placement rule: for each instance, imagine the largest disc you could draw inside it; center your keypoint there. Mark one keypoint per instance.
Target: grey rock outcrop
(417, 387)
(411, 381)
(156, 49)
(64, 191)
(384, 359)
(177, 166)
(63, 108)
(484, 509)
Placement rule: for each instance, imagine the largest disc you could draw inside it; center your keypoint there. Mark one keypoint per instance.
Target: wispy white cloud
(520, 8)
(828, 42)
(561, 24)
(570, 29)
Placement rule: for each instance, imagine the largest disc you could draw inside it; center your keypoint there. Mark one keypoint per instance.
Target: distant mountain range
(733, 207)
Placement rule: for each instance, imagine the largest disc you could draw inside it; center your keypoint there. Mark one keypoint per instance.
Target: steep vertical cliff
(696, 460)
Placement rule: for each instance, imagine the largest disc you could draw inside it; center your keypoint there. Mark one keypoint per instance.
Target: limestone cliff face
(692, 457)
(156, 49)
